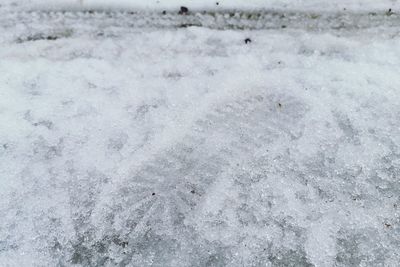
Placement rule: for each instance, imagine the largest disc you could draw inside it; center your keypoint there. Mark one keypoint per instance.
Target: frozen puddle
(124, 145)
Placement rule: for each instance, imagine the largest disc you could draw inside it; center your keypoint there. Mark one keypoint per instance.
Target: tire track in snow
(51, 25)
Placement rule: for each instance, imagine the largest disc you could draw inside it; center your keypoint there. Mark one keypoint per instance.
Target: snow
(309, 5)
(159, 145)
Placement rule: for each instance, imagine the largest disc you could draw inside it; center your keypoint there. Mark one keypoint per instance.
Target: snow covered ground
(134, 139)
(216, 5)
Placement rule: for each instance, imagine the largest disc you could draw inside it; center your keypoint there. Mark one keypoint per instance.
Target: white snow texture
(128, 141)
(310, 5)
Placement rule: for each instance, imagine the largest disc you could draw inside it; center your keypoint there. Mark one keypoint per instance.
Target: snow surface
(146, 146)
(320, 5)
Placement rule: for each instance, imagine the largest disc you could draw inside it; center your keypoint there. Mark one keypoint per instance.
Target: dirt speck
(183, 10)
(389, 12)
